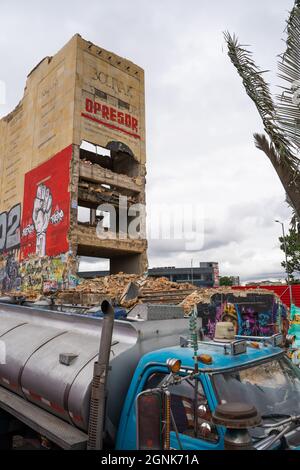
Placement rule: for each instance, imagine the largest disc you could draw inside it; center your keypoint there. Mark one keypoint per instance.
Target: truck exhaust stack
(99, 390)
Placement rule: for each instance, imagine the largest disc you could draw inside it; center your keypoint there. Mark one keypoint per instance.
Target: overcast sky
(199, 119)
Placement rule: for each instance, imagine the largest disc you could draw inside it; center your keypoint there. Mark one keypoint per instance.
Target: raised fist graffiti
(41, 214)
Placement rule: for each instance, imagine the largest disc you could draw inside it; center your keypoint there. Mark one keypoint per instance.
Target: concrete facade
(81, 97)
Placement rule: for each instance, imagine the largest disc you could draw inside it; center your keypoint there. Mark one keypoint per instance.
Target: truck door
(183, 408)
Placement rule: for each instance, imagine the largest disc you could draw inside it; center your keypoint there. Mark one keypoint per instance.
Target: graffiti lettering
(57, 217)
(28, 230)
(10, 228)
(3, 229)
(253, 315)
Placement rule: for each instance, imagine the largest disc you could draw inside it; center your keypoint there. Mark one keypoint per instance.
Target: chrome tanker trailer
(48, 365)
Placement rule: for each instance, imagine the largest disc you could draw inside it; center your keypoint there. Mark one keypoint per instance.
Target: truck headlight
(174, 365)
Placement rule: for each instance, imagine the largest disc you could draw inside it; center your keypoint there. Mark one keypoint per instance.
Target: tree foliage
(226, 281)
(292, 241)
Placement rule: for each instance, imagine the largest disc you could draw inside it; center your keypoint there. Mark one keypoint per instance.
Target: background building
(75, 140)
(206, 275)
(235, 280)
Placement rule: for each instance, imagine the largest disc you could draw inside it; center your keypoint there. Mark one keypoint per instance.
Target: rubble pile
(112, 285)
(127, 290)
(29, 295)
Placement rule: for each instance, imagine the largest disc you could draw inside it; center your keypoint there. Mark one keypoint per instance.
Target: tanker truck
(151, 382)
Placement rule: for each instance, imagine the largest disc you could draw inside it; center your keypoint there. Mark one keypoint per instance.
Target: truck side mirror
(150, 411)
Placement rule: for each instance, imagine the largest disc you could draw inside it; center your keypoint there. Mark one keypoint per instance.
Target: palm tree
(281, 119)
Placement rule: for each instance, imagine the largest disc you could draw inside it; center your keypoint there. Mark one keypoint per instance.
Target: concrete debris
(131, 292)
(128, 290)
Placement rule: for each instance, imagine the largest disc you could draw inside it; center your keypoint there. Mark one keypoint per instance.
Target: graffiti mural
(47, 274)
(10, 277)
(41, 214)
(10, 229)
(252, 314)
(46, 207)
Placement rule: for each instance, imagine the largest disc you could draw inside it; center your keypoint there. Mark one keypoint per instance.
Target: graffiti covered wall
(30, 243)
(46, 207)
(38, 128)
(10, 276)
(252, 314)
(10, 228)
(47, 274)
(37, 275)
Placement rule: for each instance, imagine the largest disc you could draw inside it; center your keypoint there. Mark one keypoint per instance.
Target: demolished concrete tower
(76, 140)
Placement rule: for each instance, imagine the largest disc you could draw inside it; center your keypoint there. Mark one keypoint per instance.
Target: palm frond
(262, 143)
(258, 90)
(288, 105)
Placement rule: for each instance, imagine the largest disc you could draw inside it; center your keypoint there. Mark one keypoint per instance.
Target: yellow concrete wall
(99, 71)
(40, 126)
(49, 116)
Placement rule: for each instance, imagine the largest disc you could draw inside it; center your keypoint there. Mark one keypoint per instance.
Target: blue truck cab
(259, 374)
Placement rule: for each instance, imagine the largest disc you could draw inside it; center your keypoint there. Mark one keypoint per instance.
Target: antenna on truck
(194, 345)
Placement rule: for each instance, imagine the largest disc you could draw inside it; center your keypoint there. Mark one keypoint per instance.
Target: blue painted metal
(120, 313)
(155, 362)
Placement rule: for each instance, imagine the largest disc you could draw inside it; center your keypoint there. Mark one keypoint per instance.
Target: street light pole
(286, 261)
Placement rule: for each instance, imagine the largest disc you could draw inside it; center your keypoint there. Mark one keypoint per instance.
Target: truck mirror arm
(290, 420)
(266, 443)
(175, 379)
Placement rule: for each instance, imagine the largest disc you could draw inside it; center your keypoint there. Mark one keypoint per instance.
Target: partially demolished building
(76, 140)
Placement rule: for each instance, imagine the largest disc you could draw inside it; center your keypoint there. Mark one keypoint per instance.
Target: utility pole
(192, 271)
(286, 261)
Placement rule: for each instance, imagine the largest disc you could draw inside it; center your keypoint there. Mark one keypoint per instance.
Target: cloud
(244, 239)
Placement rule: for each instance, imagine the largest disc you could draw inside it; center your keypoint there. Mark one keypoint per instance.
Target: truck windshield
(273, 387)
